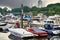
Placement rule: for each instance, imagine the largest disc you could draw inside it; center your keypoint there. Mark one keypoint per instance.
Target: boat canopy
(48, 26)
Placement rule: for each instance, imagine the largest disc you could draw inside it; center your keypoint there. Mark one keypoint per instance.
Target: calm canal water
(45, 38)
(36, 38)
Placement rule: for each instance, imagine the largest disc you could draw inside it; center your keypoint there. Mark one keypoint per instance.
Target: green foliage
(0, 10)
(34, 10)
(16, 10)
(26, 9)
(4, 10)
(51, 9)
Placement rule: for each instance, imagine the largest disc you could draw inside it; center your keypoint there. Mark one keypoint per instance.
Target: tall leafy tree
(34, 10)
(0, 10)
(26, 9)
(4, 10)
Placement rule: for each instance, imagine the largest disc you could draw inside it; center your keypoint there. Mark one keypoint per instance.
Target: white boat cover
(7, 26)
(20, 32)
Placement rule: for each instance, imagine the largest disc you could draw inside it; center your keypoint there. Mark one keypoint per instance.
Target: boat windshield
(36, 29)
(49, 21)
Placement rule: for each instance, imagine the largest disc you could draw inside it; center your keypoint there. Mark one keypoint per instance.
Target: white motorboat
(5, 26)
(20, 32)
(2, 24)
(56, 32)
(10, 20)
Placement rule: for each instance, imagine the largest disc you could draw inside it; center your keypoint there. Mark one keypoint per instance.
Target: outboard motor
(48, 26)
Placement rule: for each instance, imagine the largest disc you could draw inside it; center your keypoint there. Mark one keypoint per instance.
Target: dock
(4, 36)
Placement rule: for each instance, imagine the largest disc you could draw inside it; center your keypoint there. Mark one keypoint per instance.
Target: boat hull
(37, 31)
(19, 32)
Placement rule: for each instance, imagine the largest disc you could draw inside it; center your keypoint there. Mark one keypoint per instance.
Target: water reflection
(45, 38)
(35, 38)
(55, 38)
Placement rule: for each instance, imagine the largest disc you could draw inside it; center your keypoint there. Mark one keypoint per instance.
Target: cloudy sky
(17, 3)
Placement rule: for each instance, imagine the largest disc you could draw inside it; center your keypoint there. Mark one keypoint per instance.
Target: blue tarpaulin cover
(27, 16)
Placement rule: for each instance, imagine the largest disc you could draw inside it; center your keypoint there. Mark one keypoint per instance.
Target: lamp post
(21, 15)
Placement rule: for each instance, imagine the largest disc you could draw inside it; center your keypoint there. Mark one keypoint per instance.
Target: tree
(0, 10)
(34, 10)
(4, 10)
(16, 10)
(26, 9)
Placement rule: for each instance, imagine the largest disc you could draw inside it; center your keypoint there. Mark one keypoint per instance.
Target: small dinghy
(37, 31)
(20, 32)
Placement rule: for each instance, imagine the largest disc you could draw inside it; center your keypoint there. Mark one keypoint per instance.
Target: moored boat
(51, 31)
(37, 31)
(4, 26)
(20, 32)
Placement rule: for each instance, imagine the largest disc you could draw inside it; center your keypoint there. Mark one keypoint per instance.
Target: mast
(21, 15)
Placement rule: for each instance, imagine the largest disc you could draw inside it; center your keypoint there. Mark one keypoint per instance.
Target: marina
(30, 23)
(36, 29)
